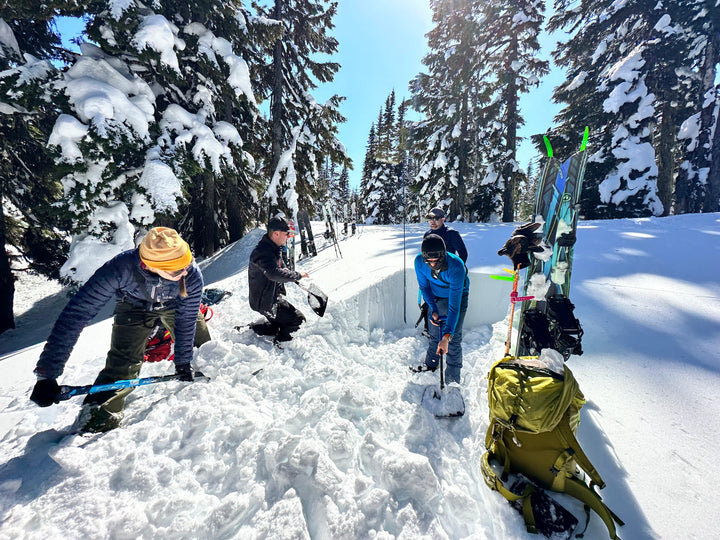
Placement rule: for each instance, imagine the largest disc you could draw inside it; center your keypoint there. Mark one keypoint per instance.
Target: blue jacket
(453, 241)
(124, 278)
(451, 283)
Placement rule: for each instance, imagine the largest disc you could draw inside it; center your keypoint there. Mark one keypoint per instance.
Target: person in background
(157, 282)
(267, 276)
(442, 278)
(453, 241)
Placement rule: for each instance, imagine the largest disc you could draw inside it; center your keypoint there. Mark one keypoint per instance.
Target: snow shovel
(444, 402)
(66, 392)
(317, 300)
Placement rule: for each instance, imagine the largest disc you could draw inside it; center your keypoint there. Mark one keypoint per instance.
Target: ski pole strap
(66, 392)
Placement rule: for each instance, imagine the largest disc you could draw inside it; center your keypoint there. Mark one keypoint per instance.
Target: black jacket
(453, 241)
(266, 275)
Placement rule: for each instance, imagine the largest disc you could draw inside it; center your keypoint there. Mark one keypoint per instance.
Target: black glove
(522, 241)
(185, 372)
(46, 392)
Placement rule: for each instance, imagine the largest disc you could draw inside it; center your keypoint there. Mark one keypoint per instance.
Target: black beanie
(433, 244)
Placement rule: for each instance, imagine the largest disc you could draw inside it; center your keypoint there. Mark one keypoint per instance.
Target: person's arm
(422, 273)
(461, 249)
(186, 317)
(269, 266)
(456, 274)
(79, 311)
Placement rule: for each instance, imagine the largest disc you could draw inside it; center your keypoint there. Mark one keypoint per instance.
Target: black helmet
(433, 247)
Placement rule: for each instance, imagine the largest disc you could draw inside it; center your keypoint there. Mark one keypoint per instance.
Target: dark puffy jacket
(453, 241)
(124, 278)
(266, 275)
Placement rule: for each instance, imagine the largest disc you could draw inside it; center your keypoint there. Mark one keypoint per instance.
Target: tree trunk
(236, 223)
(664, 156)
(7, 280)
(712, 188)
(209, 226)
(511, 102)
(462, 165)
(276, 99)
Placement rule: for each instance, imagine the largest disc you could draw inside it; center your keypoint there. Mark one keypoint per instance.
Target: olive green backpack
(534, 415)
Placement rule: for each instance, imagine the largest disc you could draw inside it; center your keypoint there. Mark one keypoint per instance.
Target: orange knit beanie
(163, 249)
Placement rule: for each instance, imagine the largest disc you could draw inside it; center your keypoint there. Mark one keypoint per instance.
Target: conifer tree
(450, 99)
(621, 82)
(512, 66)
(384, 165)
(28, 224)
(483, 56)
(698, 177)
(303, 132)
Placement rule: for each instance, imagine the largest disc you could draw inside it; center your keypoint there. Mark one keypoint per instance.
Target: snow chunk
(88, 252)
(157, 33)
(67, 132)
(7, 39)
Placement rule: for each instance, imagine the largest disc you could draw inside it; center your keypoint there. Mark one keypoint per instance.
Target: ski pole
(66, 392)
(516, 274)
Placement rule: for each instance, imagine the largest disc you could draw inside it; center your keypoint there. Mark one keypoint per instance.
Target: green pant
(131, 328)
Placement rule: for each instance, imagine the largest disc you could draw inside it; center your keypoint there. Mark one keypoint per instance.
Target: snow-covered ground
(328, 439)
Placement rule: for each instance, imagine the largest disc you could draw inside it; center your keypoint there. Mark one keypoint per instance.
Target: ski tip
(548, 146)
(586, 136)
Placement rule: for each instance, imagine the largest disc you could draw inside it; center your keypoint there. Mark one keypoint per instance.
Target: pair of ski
(556, 205)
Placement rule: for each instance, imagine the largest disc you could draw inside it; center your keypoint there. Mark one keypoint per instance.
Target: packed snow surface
(326, 439)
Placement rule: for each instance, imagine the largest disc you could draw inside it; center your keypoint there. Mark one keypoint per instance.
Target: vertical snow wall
(381, 304)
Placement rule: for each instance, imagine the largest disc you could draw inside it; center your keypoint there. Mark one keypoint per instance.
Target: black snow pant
(286, 318)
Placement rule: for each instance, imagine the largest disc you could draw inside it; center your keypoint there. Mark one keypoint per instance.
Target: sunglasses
(432, 256)
(173, 274)
(433, 218)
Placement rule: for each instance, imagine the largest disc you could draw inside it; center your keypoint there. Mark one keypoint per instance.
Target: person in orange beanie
(157, 282)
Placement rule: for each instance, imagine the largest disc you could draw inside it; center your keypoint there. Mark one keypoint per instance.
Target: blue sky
(382, 43)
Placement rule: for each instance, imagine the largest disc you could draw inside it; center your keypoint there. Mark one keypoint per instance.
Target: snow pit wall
(381, 305)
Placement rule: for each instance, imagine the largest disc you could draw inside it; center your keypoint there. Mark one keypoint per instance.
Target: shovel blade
(444, 402)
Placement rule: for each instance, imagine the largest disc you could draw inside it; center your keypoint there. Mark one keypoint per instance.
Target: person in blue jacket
(157, 282)
(443, 281)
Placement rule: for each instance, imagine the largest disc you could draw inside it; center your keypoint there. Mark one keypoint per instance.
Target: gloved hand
(523, 241)
(185, 372)
(46, 392)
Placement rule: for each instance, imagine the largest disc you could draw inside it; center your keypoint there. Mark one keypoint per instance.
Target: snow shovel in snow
(317, 300)
(66, 392)
(443, 402)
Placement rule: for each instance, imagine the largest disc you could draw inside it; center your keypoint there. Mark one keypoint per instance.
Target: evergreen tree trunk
(236, 224)
(203, 211)
(712, 191)
(7, 281)
(712, 188)
(462, 166)
(665, 157)
(508, 172)
(276, 99)
(209, 226)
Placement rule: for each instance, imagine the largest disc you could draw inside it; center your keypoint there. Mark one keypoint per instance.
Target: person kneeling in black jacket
(267, 276)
